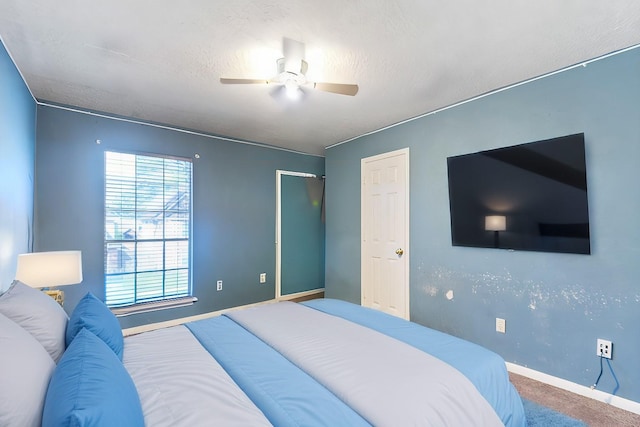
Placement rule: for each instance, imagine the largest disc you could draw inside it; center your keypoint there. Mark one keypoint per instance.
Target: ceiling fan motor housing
(287, 70)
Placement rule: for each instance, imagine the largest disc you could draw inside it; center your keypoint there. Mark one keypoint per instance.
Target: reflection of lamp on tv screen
(540, 186)
(495, 223)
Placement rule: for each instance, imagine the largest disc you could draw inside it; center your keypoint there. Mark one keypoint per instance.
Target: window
(147, 228)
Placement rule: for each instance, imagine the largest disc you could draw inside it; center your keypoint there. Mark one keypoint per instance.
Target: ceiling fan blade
(339, 88)
(243, 81)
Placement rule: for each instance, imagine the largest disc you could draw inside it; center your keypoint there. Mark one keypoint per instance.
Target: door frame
(278, 278)
(407, 252)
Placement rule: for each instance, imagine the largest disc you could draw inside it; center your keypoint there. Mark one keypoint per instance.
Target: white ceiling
(160, 61)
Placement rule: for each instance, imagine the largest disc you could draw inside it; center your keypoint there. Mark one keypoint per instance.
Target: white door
(385, 232)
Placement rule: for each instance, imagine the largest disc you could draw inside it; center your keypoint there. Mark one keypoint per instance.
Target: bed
(319, 363)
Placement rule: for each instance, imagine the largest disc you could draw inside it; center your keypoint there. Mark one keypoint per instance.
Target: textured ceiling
(160, 61)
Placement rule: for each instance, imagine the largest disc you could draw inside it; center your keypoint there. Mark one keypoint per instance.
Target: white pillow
(25, 370)
(38, 314)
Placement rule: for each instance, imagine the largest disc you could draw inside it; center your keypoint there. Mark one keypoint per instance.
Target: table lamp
(49, 270)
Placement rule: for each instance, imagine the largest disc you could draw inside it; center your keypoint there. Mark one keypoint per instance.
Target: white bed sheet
(180, 384)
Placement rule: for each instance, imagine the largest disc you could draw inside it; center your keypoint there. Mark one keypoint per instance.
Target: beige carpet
(592, 412)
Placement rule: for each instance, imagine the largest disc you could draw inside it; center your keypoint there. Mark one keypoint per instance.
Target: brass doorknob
(399, 252)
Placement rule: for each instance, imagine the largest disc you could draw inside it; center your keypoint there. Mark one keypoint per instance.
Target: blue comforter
(289, 396)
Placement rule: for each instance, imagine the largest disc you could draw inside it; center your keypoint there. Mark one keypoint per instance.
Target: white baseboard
(618, 402)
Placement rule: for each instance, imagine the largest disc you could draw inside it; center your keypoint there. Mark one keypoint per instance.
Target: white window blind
(147, 228)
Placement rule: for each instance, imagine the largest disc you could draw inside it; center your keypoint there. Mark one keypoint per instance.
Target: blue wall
(556, 305)
(233, 204)
(17, 147)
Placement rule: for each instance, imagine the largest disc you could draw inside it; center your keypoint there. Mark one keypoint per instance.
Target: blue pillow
(91, 387)
(93, 314)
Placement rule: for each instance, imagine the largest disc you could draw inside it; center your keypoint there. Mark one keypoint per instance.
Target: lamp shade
(495, 222)
(49, 269)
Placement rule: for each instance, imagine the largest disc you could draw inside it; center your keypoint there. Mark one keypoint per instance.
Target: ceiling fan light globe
(292, 89)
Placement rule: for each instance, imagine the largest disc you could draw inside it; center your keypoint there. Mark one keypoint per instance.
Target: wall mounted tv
(530, 197)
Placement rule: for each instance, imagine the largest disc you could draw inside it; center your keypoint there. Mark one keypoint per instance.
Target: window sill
(153, 306)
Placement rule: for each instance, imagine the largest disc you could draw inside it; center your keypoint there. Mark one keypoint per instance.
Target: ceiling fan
(291, 74)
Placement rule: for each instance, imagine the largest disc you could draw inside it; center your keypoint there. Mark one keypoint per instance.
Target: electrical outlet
(604, 348)
(501, 325)
(219, 285)
(263, 277)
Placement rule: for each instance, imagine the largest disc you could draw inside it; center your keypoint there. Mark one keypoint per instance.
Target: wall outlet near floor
(219, 285)
(263, 277)
(604, 348)
(501, 325)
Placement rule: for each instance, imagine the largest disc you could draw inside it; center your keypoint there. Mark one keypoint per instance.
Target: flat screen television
(530, 197)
